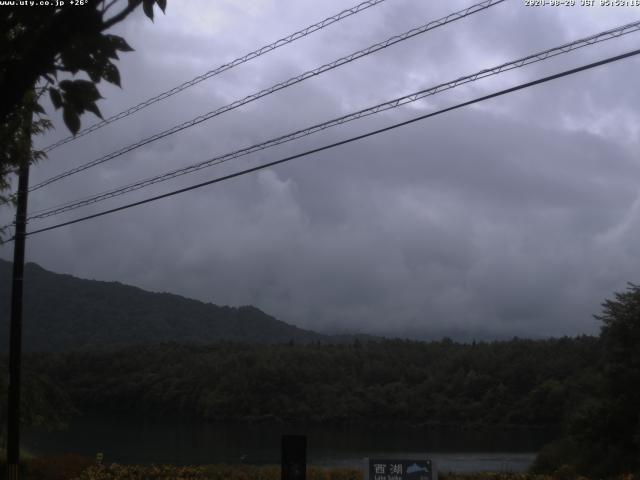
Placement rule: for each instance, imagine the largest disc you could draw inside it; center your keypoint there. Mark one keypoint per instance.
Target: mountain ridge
(63, 312)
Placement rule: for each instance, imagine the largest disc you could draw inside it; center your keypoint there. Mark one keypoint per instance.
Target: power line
(397, 102)
(343, 142)
(279, 86)
(222, 68)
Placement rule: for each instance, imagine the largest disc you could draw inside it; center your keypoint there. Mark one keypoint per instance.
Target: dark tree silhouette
(603, 439)
(616, 429)
(36, 44)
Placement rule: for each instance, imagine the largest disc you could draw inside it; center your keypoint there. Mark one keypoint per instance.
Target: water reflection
(188, 443)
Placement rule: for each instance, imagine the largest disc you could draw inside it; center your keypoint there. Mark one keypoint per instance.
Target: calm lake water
(188, 443)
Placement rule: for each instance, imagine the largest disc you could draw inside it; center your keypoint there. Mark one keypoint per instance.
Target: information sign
(400, 469)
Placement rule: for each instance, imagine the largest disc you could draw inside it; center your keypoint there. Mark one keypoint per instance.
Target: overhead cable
(343, 142)
(279, 86)
(222, 68)
(397, 102)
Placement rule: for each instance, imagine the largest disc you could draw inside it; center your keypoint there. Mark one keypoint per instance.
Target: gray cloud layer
(517, 216)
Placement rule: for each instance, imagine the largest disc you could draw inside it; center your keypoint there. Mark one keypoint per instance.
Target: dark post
(15, 339)
(294, 457)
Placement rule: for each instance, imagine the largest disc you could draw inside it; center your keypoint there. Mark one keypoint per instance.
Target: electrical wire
(395, 103)
(279, 86)
(343, 142)
(222, 68)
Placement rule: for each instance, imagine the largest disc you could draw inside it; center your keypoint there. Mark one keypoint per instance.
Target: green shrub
(553, 456)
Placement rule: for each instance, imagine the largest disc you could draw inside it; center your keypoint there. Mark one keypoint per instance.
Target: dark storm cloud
(514, 217)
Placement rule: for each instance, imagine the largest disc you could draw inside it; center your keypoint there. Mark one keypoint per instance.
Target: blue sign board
(400, 469)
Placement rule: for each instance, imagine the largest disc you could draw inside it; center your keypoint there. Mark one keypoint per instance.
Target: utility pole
(15, 338)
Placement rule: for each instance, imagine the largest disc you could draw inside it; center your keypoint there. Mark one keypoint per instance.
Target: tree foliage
(610, 428)
(604, 429)
(44, 404)
(517, 382)
(28, 120)
(43, 50)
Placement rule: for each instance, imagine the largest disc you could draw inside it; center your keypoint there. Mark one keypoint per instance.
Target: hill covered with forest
(170, 356)
(63, 312)
(515, 383)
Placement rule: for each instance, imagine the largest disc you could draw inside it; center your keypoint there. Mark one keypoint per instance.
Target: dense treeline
(44, 404)
(587, 386)
(518, 382)
(602, 434)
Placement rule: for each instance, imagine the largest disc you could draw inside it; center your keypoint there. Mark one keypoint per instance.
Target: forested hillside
(63, 312)
(519, 382)
(99, 348)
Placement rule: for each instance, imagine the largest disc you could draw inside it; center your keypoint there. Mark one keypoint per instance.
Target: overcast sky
(517, 216)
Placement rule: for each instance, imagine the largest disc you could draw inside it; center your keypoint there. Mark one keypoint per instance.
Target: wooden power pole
(15, 337)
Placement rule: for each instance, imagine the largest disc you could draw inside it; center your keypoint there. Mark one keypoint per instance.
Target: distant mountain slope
(63, 312)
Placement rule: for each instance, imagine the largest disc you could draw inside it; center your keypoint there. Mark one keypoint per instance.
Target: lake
(190, 443)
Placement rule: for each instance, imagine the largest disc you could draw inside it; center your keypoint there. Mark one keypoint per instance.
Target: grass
(76, 467)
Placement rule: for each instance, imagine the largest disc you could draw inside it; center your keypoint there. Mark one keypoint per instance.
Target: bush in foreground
(245, 472)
